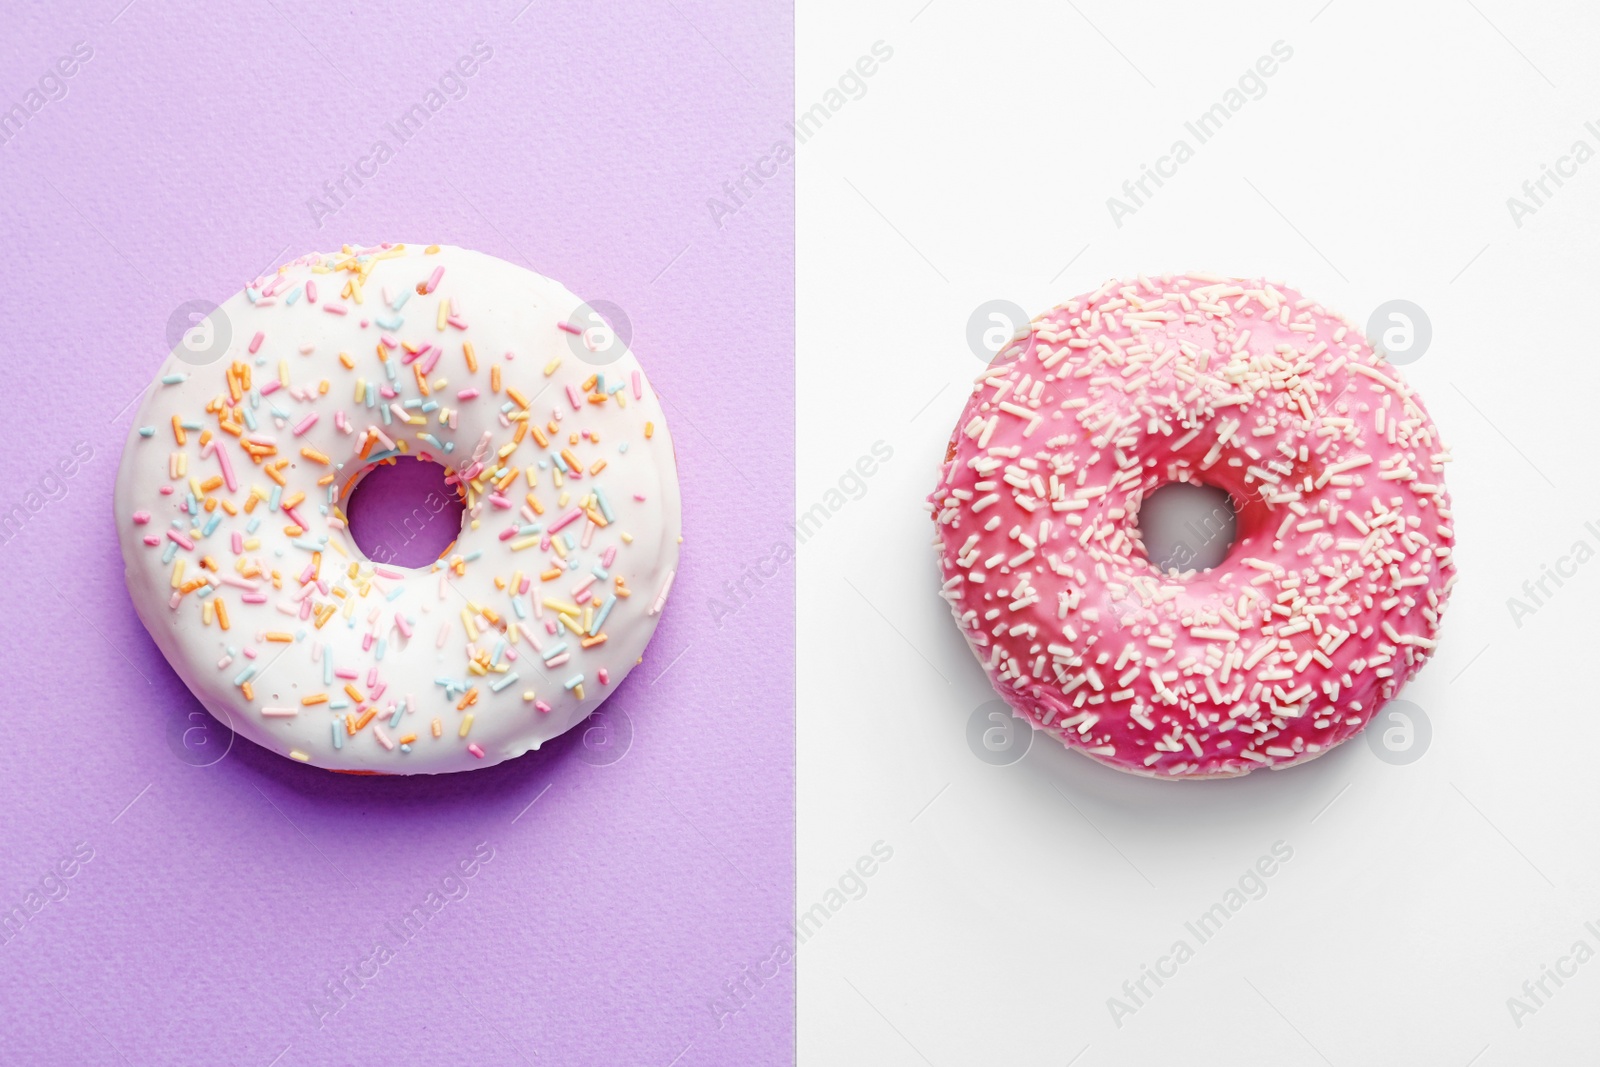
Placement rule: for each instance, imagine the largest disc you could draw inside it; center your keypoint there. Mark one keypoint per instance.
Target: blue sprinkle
(503, 682)
(245, 675)
(470, 556)
(168, 552)
(605, 505)
(432, 405)
(573, 682)
(600, 616)
(516, 606)
(399, 712)
(383, 644)
(253, 525)
(293, 296)
(400, 301)
(211, 524)
(204, 591)
(554, 651)
(190, 424)
(249, 418)
(275, 496)
(338, 704)
(174, 379)
(338, 737)
(389, 322)
(327, 668)
(147, 431)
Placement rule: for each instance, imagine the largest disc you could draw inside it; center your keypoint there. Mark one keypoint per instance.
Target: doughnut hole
(1186, 526)
(403, 514)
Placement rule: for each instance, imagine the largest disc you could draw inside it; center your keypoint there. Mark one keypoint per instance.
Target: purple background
(220, 898)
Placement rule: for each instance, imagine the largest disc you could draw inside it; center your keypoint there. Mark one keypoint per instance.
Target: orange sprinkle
(248, 690)
(355, 694)
(516, 395)
(349, 364)
(313, 699)
(366, 717)
(598, 466)
(494, 378)
(472, 357)
(649, 430)
(177, 431)
(222, 614)
(438, 728)
(467, 701)
(314, 456)
(590, 642)
(538, 435)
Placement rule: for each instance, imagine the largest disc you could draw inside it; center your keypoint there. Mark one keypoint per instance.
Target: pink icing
(1328, 601)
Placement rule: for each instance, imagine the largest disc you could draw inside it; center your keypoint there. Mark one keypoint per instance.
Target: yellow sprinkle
(283, 373)
(295, 753)
(466, 725)
(438, 728)
(550, 368)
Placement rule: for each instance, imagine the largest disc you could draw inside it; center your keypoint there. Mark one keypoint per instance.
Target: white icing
(503, 309)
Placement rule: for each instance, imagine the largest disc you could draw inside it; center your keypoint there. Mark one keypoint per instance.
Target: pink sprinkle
(638, 496)
(227, 469)
(166, 490)
(372, 678)
(382, 735)
(311, 292)
(607, 556)
(432, 359)
(272, 386)
(475, 750)
(254, 598)
(433, 282)
(638, 390)
(305, 424)
(152, 539)
(250, 653)
(564, 520)
(255, 342)
(403, 626)
(141, 517)
(389, 342)
(335, 309)
(457, 321)
(542, 706)
(467, 394)
(576, 397)
(570, 329)
(377, 690)
(605, 678)
(238, 542)
(366, 640)
(387, 572)
(526, 582)
(177, 598)
(181, 540)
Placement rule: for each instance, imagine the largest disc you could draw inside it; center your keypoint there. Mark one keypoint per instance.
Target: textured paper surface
(220, 900)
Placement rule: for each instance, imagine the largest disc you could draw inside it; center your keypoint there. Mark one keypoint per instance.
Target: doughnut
(231, 493)
(1331, 595)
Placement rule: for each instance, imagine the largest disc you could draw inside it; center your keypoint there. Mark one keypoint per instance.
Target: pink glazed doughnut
(1328, 601)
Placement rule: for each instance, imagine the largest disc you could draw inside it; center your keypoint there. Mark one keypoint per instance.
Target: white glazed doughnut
(229, 507)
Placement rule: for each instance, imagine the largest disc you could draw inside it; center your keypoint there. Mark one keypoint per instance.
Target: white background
(1019, 898)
